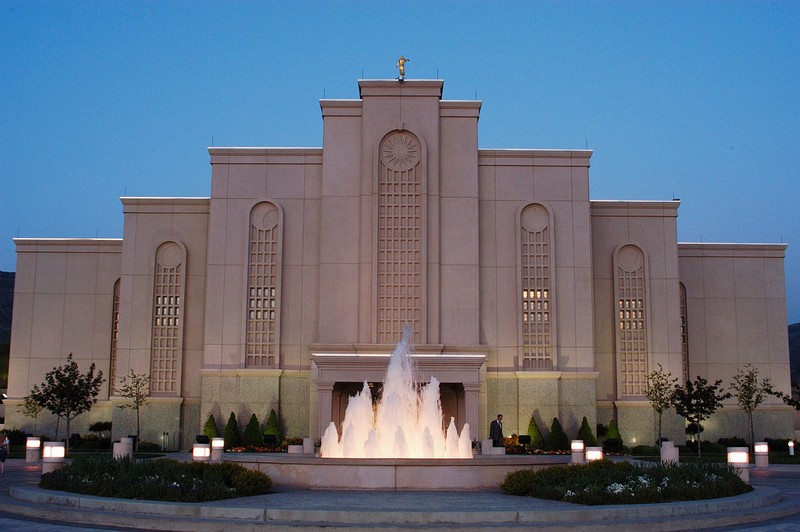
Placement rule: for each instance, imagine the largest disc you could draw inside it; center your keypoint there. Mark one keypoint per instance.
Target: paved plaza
(774, 505)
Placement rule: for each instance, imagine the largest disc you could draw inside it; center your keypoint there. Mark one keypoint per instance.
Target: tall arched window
(263, 286)
(168, 306)
(536, 288)
(684, 333)
(401, 240)
(630, 286)
(112, 370)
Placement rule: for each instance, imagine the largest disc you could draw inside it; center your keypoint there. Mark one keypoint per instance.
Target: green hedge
(158, 480)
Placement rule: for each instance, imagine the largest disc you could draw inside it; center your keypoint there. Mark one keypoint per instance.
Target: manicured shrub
(557, 440)
(272, 428)
(645, 450)
(777, 445)
(606, 482)
(252, 433)
(707, 447)
(613, 441)
(210, 428)
(585, 434)
(231, 434)
(735, 441)
(148, 447)
(161, 480)
(537, 440)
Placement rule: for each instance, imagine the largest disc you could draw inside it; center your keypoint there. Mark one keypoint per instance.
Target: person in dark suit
(496, 431)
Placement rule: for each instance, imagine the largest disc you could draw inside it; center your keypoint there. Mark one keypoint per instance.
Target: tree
(136, 387)
(537, 440)
(231, 432)
(558, 439)
(696, 401)
(252, 433)
(659, 389)
(31, 408)
(585, 434)
(67, 393)
(210, 428)
(750, 392)
(272, 428)
(792, 400)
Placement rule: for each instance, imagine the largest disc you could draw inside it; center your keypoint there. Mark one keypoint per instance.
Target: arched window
(536, 288)
(112, 370)
(401, 240)
(263, 286)
(168, 311)
(630, 286)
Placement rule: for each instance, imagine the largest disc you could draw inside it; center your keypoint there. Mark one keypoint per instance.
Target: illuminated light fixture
(218, 443)
(33, 443)
(53, 451)
(32, 446)
(217, 448)
(594, 453)
(577, 447)
(201, 452)
(762, 454)
(739, 457)
(791, 448)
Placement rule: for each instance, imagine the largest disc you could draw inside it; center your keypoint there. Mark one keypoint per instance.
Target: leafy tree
(135, 387)
(658, 390)
(750, 392)
(537, 440)
(585, 434)
(210, 428)
(792, 400)
(252, 433)
(231, 433)
(558, 439)
(272, 428)
(697, 401)
(99, 427)
(66, 392)
(31, 408)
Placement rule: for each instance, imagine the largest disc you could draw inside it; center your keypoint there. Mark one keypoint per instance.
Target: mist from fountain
(405, 423)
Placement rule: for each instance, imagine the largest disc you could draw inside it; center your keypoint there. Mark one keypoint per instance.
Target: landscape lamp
(739, 457)
(594, 453)
(201, 452)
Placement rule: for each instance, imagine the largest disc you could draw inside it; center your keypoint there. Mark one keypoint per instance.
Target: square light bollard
(53, 454)
(594, 453)
(739, 457)
(577, 448)
(791, 448)
(669, 453)
(33, 448)
(201, 452)
(123, 448)
(217, 448)
(308, 445)
(762, 454)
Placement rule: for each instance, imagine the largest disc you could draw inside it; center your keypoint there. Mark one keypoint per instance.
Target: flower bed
(605, 482)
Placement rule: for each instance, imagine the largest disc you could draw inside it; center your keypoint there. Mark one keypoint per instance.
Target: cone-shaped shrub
(210, 428)
(233, 437)
(272, 428)
(558, 439)
(613, 441)
(537, 440)
(252, 433)
(613, 430)
(585, 434)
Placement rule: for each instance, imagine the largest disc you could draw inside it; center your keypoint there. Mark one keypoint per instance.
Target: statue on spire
(401, 65)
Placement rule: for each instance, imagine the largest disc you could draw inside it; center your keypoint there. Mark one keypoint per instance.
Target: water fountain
(406, 422)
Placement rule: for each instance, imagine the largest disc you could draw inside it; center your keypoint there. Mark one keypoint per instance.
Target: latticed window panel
(167, 337)
(400, 237)
(536, 281)
(684, 333)
(631, 300)
(112, 370)
(263, 286)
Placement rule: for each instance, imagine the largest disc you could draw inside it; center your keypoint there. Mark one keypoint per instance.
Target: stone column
(471, 404)
(325, 394)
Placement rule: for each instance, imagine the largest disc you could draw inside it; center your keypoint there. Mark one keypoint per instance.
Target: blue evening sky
(696, 99)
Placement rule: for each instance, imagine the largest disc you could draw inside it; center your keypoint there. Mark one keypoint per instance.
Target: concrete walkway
(776, 497)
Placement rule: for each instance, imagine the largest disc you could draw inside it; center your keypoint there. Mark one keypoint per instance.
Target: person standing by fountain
(496, 431)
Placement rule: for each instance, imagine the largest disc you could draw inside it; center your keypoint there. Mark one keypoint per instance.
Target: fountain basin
(398, 474)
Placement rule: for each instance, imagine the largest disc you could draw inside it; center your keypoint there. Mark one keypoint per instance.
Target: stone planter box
(295, 449)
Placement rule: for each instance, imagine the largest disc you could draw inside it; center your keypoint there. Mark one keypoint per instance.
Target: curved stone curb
(759, 505)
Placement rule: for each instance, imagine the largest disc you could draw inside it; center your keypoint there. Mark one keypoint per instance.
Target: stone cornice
(534, 157)
(701, 249)
(68, 245)
(634, 208)
(165, 205)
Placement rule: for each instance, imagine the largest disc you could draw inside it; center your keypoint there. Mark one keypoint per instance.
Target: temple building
(290, 285)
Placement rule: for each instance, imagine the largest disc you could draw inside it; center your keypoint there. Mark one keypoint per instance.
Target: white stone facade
(288, 286)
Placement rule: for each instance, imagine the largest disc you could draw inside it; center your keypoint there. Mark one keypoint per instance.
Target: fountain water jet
(406, 422)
